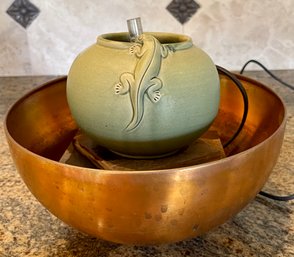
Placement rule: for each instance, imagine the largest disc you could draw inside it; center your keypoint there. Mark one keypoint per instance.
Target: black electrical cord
(245, 100)
(277, 197)
(267, 71)
(268, 195)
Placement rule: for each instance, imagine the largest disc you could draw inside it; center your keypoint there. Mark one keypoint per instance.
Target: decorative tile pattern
(226, 30)
(183, 10)
(23, 12)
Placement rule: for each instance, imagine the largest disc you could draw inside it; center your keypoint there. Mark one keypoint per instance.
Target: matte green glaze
(144, 99)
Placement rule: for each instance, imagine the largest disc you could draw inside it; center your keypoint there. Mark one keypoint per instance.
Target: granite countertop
(264, 228)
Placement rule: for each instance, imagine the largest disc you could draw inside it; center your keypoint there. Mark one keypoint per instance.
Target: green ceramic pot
(145, 99)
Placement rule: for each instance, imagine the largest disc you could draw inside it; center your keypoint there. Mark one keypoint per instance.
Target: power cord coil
(245, 112)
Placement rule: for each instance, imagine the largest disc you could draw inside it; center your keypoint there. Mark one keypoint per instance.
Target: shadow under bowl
(146, 207)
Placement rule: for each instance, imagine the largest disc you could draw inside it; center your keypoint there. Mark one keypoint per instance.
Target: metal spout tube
(135, 28)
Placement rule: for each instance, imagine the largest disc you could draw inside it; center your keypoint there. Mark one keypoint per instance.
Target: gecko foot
(155, 97)
(134, 49)
(119, 89)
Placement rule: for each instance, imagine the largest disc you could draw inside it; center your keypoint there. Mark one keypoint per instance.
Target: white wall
(230, 31)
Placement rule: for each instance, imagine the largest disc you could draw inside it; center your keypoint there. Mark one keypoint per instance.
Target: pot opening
(163, 38)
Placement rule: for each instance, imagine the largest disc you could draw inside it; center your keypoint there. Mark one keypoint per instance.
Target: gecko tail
(138, 113)
(134, 124)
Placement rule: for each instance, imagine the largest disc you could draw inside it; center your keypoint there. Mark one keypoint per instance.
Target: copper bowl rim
(186, 168)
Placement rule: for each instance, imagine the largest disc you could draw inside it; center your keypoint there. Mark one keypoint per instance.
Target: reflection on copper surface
(145, 207)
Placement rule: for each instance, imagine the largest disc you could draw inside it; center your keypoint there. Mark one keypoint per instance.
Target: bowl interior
(41, 121)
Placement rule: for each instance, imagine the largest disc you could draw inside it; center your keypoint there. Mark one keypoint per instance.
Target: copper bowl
(145, 207)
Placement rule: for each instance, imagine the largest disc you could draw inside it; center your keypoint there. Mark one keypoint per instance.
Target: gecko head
(143, 38)
(140, 39)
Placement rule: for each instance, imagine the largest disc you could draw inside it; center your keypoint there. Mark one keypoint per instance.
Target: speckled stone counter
(264, 228)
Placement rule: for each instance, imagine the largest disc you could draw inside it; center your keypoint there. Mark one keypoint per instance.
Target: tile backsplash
(39, 37)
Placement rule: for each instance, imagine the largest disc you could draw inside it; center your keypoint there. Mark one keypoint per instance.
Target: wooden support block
(73, 157)
(205, 149)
